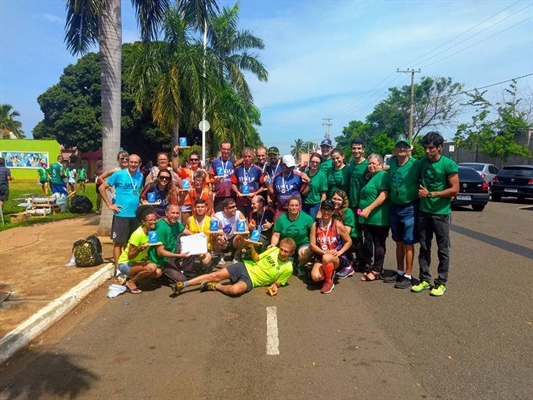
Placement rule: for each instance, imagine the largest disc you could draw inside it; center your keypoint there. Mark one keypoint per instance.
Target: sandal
(134, 289)
(371, 276)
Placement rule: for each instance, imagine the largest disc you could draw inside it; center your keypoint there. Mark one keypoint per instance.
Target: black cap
(327, 204)
(326, 142)
(273, 150)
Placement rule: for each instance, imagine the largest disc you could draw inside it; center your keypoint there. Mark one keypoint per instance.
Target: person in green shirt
(405, 175)
(338, 174)
(439, 182)
(358, 171)
(295, 224)
(43, 178)
(318, 186)
(168, 228)
(326, 147)
(272, 268)
(57, 176)
(82, 177)
(374, 213)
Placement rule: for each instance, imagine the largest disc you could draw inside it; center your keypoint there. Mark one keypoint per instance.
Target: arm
(312, 241)
(103, 192)
(134, 250)
(235, 190)
(254, 254)
(165, 253)
(274, 240)
(375, 204)
(453, 189)
(106, 174)
(346, 239)
(175, 160)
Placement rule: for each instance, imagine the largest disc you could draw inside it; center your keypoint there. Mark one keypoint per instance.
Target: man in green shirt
(272, 268)
(57, 176)
(326, 147)
(439, 182)
(168, 228)
(82, 177)
(403, 195)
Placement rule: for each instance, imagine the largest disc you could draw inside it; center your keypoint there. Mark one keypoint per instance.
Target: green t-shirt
(269, 269)
(349, 221)
(434, 177)
(326, 165)
(82, 174)
(137, 238)
(43, 174)
(168, 235)
(404, 181)
(370, 192)
(55, 174)
(357, 173)
(338, 179)
(318, 185)
(298, 229)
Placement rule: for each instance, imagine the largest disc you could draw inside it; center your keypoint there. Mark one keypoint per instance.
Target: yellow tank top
(203, 227)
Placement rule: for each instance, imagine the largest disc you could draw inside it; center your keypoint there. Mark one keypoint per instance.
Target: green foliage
(8, 124)
(298, 148)
(495, 127)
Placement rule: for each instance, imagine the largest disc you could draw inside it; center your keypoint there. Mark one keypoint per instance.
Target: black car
(473, 190)
(513, 181)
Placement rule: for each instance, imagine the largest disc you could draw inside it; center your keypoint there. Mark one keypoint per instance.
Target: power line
(481, 41)
(458, 36)
(499, 83)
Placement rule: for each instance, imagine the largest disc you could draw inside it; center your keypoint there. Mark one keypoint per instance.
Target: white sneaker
(221, 261)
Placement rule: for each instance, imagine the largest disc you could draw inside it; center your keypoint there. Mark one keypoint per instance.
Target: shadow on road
(47, 375)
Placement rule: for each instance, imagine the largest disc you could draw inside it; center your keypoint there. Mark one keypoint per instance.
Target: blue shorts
(403, 223)
(124, 268)
(61, 189)
(237, 273)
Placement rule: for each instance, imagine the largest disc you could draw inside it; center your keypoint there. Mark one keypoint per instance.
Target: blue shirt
(286, 187)
(127, 190)
(222, 187)
(252, 176)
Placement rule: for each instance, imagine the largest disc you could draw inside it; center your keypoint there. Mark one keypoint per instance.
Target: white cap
(288, 160)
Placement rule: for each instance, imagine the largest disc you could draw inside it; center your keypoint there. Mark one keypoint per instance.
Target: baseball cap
(327, 204)
(326, 142)
(273, 150)
(288, 160)
(402, 140)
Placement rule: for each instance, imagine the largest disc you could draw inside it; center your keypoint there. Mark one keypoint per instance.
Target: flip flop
(366, 277)
(133, 290)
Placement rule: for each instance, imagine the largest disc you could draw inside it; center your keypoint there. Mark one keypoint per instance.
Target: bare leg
(233, 290)
(409, 258)
(400, 256)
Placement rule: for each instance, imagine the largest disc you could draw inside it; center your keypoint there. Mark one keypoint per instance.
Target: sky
(326, 59)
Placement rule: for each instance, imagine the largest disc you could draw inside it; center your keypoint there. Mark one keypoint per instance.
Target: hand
(176, 149)
(270, 246)
(143, 202)
(273, 289)
(143, 246)
(267, 225)
(365, 212)
(422, 192)
(305, 178)
(115, 208)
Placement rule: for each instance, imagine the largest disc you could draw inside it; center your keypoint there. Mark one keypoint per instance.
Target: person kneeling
(272, 268)
(132, 261)
(329, 241)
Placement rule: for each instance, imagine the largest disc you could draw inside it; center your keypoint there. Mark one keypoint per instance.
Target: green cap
(402, 140)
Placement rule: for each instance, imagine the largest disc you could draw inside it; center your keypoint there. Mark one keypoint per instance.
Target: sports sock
(217, 286)
(400, 272)
(407, 276)
(328, 271)
(186, 284)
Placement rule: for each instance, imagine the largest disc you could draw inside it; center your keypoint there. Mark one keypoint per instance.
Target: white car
(487, 171)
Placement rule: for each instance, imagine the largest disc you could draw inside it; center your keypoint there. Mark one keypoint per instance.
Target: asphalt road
(364, 340)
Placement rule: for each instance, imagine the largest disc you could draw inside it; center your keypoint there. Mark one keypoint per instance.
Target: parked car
(473, 190)
(513, 181)
(487, 171)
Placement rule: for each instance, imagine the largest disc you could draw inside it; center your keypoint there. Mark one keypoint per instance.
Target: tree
(92, 21)
(298, 148)
(495, 127)
(8, 124)
(436, 104)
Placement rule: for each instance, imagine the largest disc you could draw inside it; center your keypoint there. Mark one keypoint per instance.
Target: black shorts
(4, 192)
(122, 228)
(239, 273)
(343, 260)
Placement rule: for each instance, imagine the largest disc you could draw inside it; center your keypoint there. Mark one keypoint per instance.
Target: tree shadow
(46, 375)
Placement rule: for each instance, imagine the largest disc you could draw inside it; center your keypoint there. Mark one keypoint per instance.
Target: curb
(53, 312)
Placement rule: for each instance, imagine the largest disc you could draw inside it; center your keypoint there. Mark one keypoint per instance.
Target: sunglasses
(124, 158)
(327, 209)
(164, 178)
(194, 159)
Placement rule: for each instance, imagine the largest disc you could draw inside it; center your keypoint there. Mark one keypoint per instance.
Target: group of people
(327, 220)
(61, 177)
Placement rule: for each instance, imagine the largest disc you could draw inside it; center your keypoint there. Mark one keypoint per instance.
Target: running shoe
(345, 272)
(437, 290)
(221, 261)
(421, 287)
(301, 270)
(177, 287)
(327, 287)
(394, 278)
(403, 283)
(205, 286)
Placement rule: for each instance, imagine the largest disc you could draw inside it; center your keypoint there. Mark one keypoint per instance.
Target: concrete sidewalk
(43, 290)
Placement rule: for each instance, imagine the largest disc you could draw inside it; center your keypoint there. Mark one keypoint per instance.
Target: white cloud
(53, 18)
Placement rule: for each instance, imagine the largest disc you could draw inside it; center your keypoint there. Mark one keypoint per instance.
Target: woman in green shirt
(374, 213)
(338, 175)
(44, 177)
(318, 186)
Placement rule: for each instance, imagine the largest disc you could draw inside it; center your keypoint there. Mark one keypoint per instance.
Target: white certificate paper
(194, 244)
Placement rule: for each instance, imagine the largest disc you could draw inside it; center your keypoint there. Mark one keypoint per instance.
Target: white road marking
(272, 332)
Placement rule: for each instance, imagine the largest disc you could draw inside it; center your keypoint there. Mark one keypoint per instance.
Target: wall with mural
(23, 156)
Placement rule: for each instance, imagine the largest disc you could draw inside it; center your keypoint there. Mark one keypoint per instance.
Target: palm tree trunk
(110, 39)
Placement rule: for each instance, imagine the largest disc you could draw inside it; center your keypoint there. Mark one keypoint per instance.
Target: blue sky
(326, 59)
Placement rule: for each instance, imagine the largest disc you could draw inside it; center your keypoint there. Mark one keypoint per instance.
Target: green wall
(25, 151)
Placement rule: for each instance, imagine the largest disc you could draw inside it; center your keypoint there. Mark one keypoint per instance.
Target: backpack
(88, 252)
(80, 205)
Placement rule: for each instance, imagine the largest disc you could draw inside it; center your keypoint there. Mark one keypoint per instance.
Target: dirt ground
(32, 265)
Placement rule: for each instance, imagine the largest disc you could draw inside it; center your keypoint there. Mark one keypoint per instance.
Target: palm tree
(92, 21)
(298, 148)
(8, 124)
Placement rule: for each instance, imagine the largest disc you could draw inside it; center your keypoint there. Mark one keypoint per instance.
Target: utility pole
(412, 71)
(327, 124)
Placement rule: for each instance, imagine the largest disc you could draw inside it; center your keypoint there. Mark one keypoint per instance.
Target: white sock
(407, 276)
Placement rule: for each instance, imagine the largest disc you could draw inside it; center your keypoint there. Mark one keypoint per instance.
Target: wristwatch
(430, 195)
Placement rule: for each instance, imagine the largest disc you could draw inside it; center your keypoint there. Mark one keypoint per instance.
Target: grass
(17, 188)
